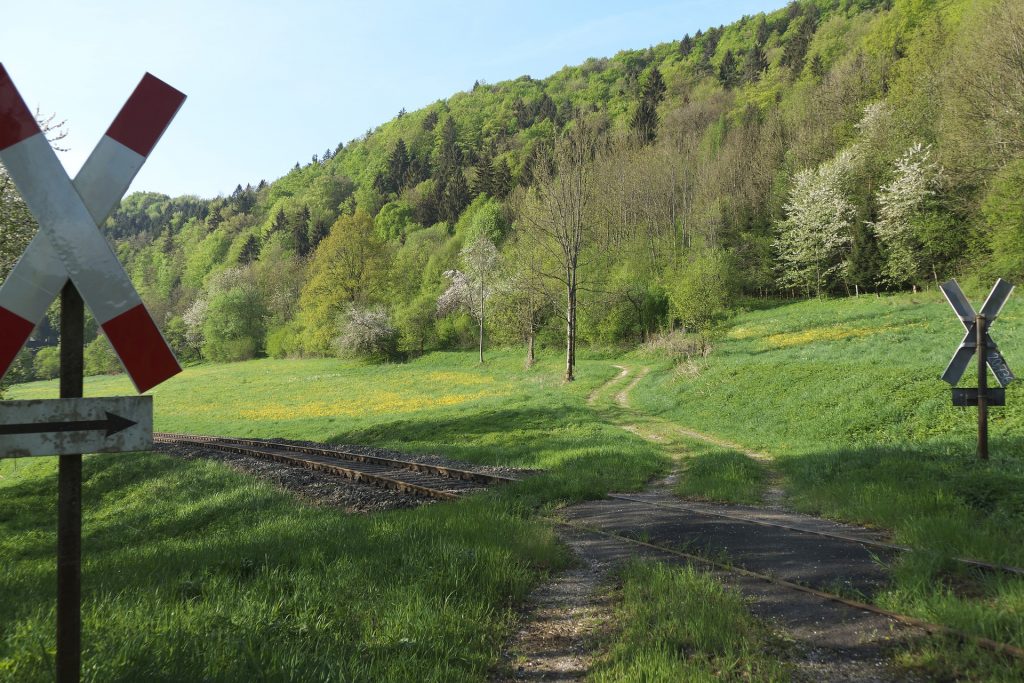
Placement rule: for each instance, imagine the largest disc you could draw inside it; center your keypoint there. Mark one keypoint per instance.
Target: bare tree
(555, 215)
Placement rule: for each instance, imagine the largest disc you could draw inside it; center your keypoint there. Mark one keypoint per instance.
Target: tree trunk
(570, 326)
(481, 320)
(530, 336)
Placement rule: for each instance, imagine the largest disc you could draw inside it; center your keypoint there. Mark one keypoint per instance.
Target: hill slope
(828, 146)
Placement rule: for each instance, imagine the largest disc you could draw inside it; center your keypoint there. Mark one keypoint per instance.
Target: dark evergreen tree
(728, 74)
(645, 119)
(214, 219)
(456, 197)
(250, 250)
(451, 191)
(707, 51)
(755, 65)
(321, 228)
(394, 178)
(546, 109)
(685, 46)
(501, 179)
(795, 51)
(300, 231)
(280, 222)
(419, 170)
(761, 37)
(430, 120)
(817, 67)
(524, 117)
(483, 183)
(865, 264)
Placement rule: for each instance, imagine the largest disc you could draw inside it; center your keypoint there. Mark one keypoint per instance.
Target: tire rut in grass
(596, 393)
(774, 494)
(561, 628)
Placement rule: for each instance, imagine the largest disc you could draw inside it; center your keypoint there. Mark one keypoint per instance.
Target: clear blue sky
(272, 83)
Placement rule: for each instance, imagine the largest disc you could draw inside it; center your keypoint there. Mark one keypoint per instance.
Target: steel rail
(926, 626)
(441, 471)
(978, 564)
(372, 478)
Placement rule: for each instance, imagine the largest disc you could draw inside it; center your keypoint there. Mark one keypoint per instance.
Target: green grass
(720, 474)
(195, 572)
(846, 394)
(680, 624)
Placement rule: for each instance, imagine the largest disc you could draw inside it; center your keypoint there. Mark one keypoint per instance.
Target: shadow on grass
(934, 495)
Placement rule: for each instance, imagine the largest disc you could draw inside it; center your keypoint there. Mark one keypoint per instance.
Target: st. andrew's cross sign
(69, 245)
(71, 259)
(977, 342)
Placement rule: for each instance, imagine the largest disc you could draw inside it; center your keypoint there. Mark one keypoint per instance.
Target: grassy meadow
(195, 571)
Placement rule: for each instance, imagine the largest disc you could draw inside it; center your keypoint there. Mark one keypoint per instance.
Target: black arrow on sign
(112, 425)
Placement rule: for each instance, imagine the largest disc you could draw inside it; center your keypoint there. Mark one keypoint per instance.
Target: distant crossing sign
(968, 318)
(69, 243)
(978, 343)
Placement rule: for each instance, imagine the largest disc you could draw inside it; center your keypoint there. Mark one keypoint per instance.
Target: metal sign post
(69, 496)
(70, 258)
(978, 342)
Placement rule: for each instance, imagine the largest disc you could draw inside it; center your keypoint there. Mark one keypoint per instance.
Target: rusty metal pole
(69, 497)
(982, 388)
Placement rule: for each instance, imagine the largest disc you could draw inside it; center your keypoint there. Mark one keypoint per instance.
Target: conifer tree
(546, 108)
(755, 65)
(685, 46)
(456, 197)
(320, 230)
(280, 222)
(763, 31)
(250, 250)
(864, 266)
(300, 231)
(501, 179)
(645, 119)
(484, 181)
(817, 67)
(727, 74)
(398, 167)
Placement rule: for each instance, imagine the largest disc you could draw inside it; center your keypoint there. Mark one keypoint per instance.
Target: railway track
(891, 547)
(409, 477)
(725, 566)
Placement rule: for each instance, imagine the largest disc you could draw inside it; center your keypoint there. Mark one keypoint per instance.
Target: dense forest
(830, 147)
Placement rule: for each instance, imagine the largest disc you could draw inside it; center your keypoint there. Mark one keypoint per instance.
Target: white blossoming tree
(902, 205)
(472, 287)
(815, 236)
(366, 331)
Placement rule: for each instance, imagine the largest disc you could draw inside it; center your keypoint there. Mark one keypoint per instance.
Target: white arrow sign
(76, 425)
(69, 243)
(965, 312)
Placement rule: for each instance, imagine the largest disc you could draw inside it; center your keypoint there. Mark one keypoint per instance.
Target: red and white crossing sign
(69, 244)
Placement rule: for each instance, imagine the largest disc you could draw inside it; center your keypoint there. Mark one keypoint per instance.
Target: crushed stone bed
(322, 488)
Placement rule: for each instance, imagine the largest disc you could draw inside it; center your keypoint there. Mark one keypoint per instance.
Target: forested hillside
(830, 146)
